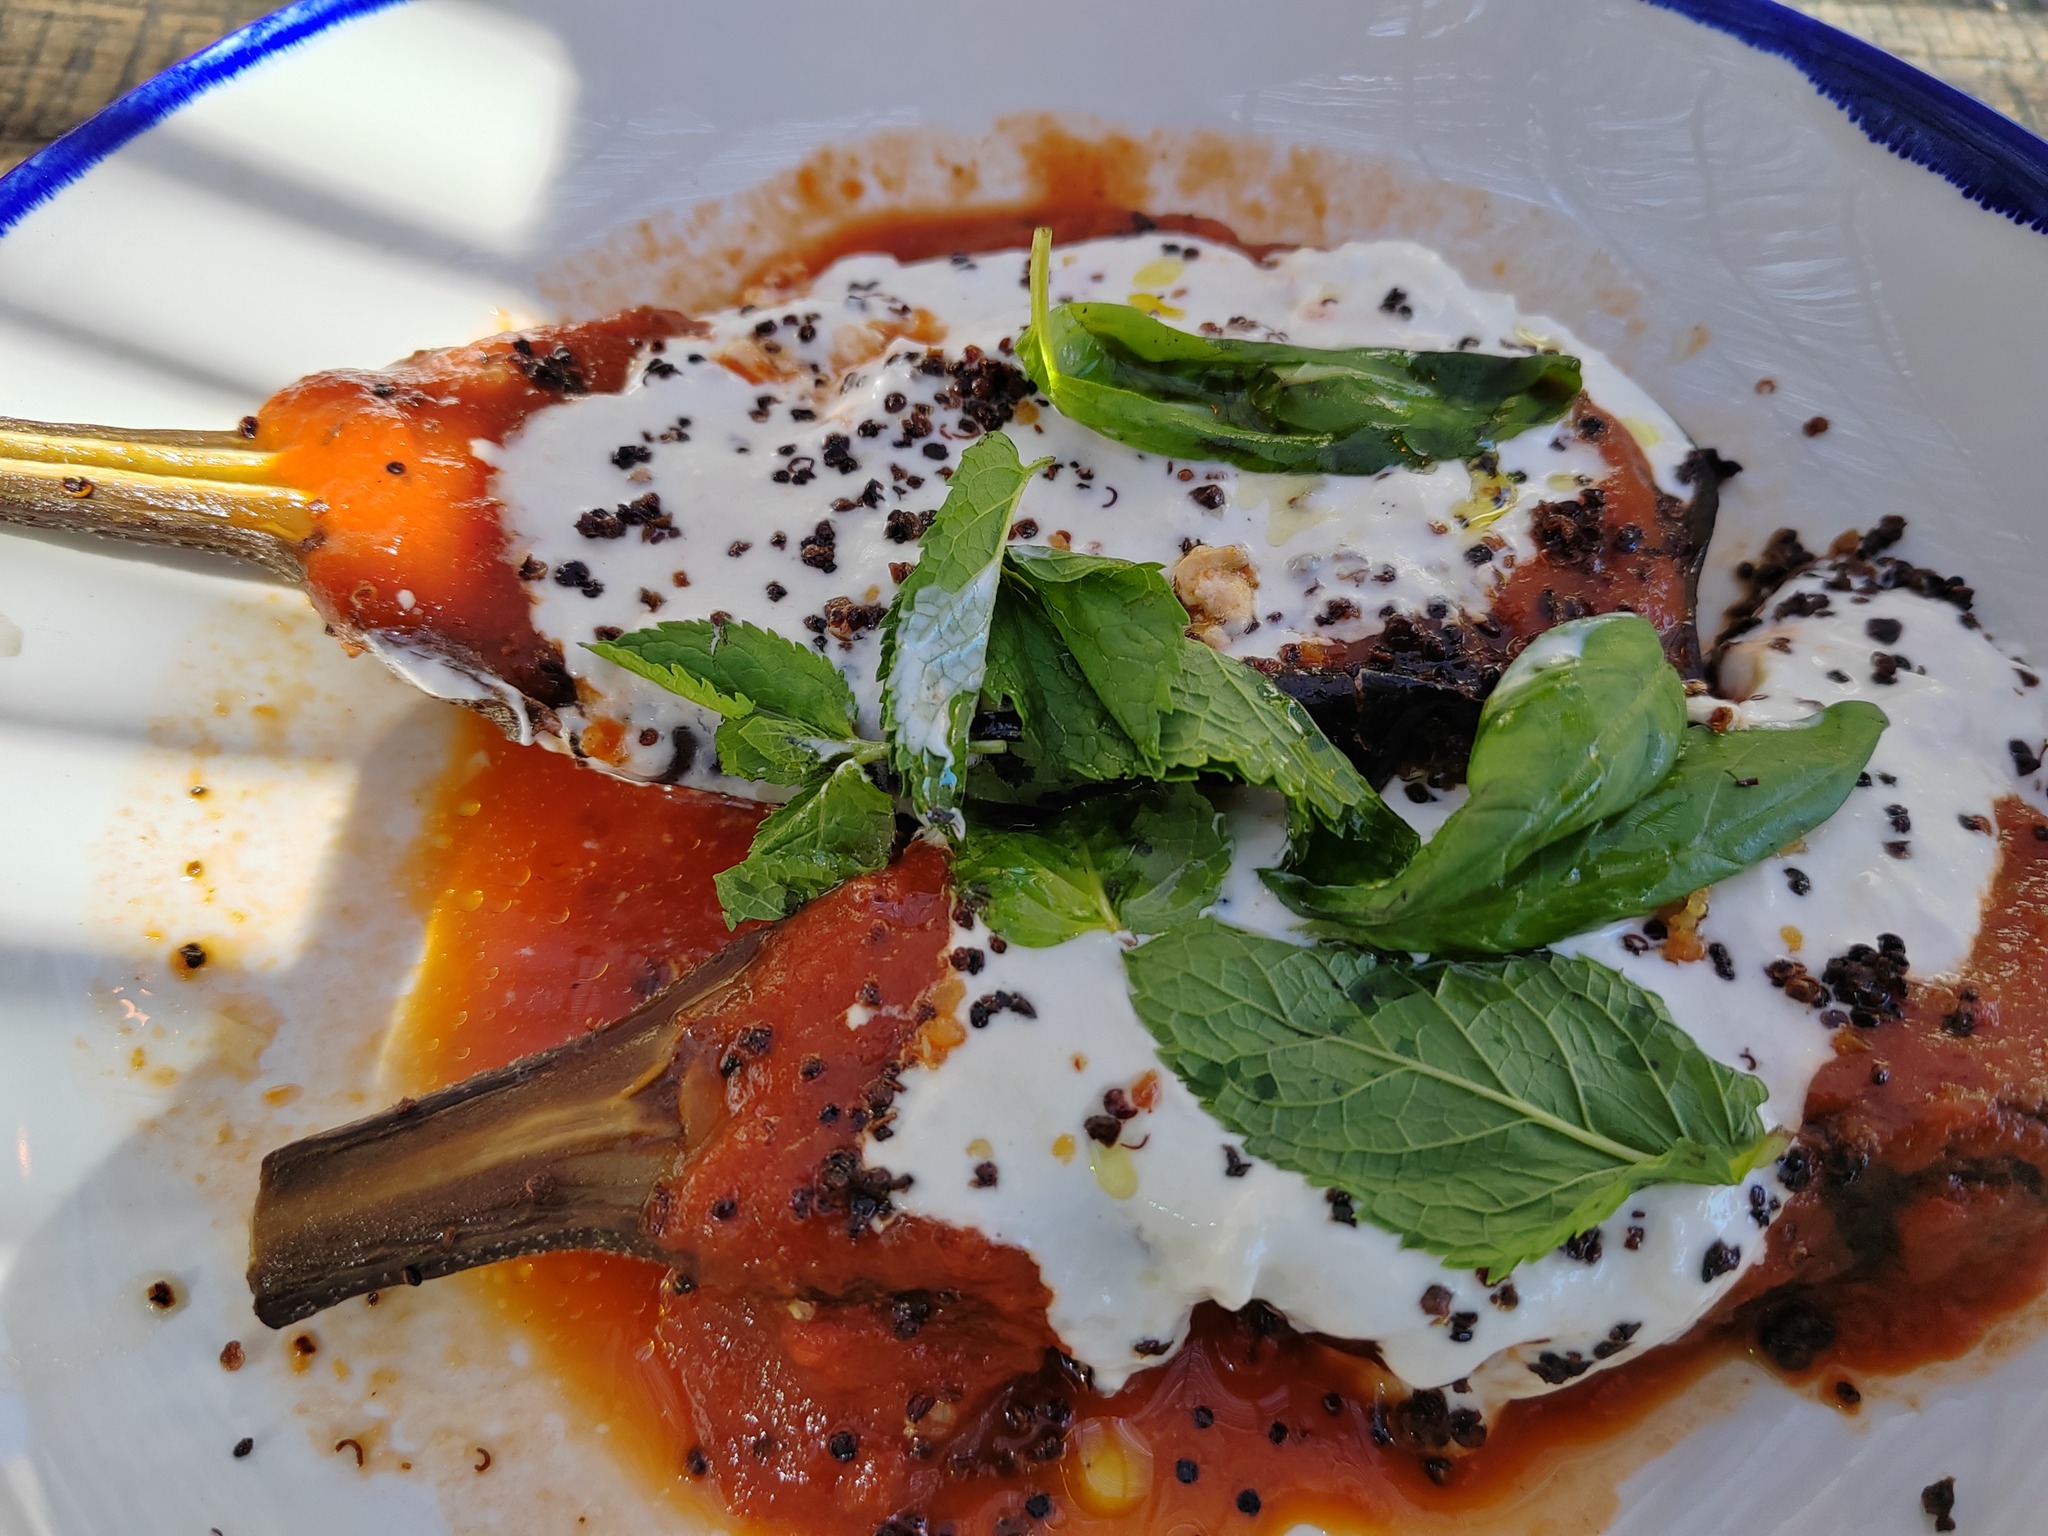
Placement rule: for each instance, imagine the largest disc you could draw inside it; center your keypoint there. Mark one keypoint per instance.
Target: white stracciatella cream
(1130, 1238)
(796, 490)
(797, 451)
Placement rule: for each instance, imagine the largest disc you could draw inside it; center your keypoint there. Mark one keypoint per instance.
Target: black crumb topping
(1721, 1258)
(1872, 982)
(986, 1007)
(1861, 568)
(555, 370)
(1938, 1502)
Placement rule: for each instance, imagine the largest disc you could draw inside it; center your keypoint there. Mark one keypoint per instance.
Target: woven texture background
(61, 60)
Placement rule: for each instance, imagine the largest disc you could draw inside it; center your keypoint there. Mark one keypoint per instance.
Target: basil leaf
(839, 825)
(1122, 625)
(1137, 863)
(1484, 1111)
(1732, 801)
(935, 635)
(736, 668)
(1582, 724)
(1274, 407)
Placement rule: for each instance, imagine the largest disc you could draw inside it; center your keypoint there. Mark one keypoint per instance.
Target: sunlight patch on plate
(449, 116)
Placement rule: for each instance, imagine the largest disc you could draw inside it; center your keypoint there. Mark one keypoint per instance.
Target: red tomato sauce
(406, 538)
(560, 898)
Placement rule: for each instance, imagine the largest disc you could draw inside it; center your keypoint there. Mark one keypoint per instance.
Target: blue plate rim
(1988, 157)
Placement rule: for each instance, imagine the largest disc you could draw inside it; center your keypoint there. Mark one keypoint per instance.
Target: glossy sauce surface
(592, 889)
(406, 538)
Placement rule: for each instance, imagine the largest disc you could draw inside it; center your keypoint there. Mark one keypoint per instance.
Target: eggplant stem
(565, 1149)
(213, 491)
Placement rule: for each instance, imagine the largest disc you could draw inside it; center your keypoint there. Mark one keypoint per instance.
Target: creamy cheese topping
(796, 493)
(793, 497)
(1130, 1238)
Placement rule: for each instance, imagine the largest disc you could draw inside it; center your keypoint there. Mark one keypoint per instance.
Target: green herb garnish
(1142, 699)
(935, 636)
(1069, 737)
(839, 825)
(787, 710)
(788, 718)
(1484, 1111)
(1590, 801)
(1138, 862)
(1270, 406)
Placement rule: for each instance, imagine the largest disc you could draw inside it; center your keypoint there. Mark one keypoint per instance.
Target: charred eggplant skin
(1405, 702)
(564, 1149)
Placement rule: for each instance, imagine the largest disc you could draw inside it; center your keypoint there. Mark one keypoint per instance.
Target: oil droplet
(1153, 304)
(1162, 272)
(1113, 1170)
(471, 900)
(1111, 1467)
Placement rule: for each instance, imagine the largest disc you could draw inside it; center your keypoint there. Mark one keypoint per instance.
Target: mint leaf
(1107, 684)
(787, 710)
(1580, 727)
(839, 825)
(1137, 863)
(935, 635)
(1733, 800)
(774, 749)
(736, 668)
(1121, 623)
(1483, 1111)
(1272, 406)
(1068, 735)
(1227, 717)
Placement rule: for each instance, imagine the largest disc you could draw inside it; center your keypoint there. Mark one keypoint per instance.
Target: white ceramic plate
(1716, 191)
